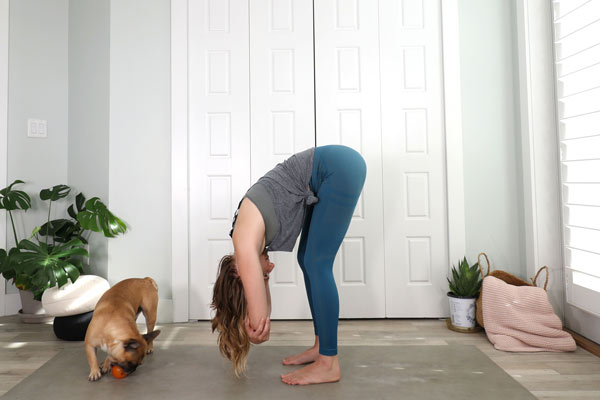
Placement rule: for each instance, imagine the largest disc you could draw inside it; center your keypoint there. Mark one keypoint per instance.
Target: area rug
(199, 372)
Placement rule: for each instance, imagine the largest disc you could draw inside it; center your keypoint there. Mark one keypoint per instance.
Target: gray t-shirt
(282, 196)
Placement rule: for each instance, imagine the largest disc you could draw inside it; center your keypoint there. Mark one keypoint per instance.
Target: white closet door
(282, 116)
(348, 113)
(219, 136)
(413, 158)
(374, 85)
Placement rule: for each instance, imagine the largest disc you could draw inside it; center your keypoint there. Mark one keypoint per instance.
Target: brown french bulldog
(113, 327)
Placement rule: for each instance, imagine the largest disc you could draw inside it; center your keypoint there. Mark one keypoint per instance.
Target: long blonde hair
(231, 308)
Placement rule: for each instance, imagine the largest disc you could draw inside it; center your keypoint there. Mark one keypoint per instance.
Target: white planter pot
(462, 311)
(31, 311)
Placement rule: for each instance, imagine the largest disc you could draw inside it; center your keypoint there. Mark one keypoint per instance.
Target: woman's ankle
(328, 361)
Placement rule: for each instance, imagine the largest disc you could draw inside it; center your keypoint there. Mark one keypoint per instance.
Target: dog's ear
(149, 337)
(131, 345)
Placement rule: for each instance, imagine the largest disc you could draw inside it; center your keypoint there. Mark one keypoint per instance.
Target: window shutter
(577, 57)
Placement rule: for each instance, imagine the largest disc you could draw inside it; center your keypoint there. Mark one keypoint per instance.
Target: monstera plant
(54, 252)
(12, 200)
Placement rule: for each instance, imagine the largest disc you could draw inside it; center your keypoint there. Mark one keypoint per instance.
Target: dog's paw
(149, 351)
(95, 375)
(105, 369)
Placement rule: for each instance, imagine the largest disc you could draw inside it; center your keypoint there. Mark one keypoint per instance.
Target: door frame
(180, 262)
(539, 145)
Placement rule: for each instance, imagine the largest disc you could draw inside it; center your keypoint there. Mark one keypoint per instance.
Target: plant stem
(14, 230)
(48, 225)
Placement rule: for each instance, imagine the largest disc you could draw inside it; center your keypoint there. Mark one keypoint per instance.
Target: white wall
(4, 19)
(492, 159)
(89, 47)
(139, 144)
(115, 67)
(38, 82)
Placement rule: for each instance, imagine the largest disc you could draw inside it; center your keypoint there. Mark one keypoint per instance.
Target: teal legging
(337, 179)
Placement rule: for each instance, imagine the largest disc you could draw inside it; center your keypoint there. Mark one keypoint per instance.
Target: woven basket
(506, 277)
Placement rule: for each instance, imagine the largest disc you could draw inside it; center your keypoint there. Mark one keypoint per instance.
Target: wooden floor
(26, 347)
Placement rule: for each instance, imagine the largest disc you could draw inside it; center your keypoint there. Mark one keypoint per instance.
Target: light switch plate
(37, 128)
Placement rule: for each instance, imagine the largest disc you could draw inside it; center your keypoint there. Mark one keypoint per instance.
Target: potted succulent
(55, 251)
(464, 290)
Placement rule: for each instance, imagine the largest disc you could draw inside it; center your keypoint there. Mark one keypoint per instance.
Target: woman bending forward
(314, 191)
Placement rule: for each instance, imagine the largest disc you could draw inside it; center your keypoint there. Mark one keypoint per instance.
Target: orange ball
(118, 372)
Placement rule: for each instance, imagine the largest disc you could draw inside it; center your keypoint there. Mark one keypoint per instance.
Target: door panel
(282, 117)
(219, 136)
(413, 155)
(348, 113)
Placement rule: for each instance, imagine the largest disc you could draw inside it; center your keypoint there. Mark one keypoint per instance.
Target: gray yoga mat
(199, 372)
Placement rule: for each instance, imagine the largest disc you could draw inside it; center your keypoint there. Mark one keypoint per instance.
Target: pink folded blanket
(520, 318)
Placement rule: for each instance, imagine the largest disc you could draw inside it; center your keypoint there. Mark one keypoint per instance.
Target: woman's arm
(262, 332)
(254, 286)
(248, 243)
(268, 294)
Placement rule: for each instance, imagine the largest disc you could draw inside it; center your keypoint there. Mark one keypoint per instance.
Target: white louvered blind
(577, 57)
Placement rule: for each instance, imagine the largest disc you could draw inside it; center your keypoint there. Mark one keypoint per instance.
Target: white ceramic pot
(31, 311)
(462, 311)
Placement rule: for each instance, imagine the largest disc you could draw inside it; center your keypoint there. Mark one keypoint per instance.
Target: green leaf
(80, 202)
(7, 189)
(76, 251)
(72, 271)
(67, 229)
(39, 278)
(45, 247)
(36, 230)
(6, 268)
(54, 226)
(29, 245)
(61, 275)
(11, 200)
(87, 220)
(71, 212)
(451, 285)
(455, 275)
(71, 243)
(55, 193)
(98, 218)
(50, 279)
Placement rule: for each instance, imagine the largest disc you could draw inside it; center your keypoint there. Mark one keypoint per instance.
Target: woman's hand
(261, 333)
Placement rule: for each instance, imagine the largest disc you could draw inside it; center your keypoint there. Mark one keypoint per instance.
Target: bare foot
(324, 369)
(305, 357)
